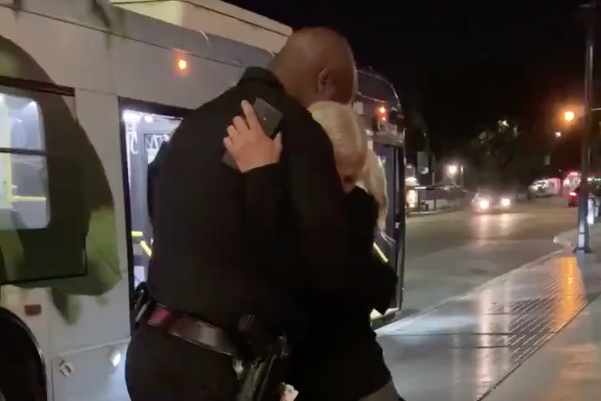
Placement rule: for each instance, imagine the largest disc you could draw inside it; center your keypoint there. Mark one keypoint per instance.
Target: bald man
(316, 64)
(209, 264)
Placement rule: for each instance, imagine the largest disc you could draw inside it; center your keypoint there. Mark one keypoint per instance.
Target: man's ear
(325, 86)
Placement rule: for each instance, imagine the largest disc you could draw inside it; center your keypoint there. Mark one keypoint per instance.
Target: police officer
(209, 264)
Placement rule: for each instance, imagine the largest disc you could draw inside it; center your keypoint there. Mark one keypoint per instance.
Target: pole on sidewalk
(583, 232)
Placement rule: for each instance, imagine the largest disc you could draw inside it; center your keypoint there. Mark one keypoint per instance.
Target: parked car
(573, 198)
(594, 193)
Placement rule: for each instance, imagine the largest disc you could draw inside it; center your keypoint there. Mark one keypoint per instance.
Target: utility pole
(583, 232)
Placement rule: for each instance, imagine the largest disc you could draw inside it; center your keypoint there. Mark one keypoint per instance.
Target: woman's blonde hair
(348, 135)
(346, 132)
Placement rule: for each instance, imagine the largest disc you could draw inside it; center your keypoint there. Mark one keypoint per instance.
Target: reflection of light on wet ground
(430, 325)
(485, 361)
(570, 294)
(496, 224)
(483, 226)
(493, 302)
(456, 362)
(460, 350)
(507, 223)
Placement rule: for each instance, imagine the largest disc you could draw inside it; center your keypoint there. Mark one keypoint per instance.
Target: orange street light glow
(569, 116)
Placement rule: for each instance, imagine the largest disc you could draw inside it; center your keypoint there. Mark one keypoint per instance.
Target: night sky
(462, 65)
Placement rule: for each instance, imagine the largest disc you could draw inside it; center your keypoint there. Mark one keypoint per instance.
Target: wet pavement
(452, 253)
(463, 349)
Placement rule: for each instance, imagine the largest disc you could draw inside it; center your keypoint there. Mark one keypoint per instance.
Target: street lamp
(583, 198)
(569, 116)
(452, 169)
(557, 134)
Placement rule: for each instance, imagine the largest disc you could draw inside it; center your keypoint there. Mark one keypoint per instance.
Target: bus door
(146, 128)
(390, 242)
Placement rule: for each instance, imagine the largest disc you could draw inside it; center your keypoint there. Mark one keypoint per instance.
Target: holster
(264, 374)
(143, 304)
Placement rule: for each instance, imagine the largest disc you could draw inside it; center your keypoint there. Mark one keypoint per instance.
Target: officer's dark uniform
(213, 253)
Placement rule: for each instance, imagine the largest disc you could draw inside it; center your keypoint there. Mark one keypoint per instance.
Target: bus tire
(22, 372)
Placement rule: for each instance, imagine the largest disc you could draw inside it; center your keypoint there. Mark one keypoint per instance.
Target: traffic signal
(382, 114)
(380, 117)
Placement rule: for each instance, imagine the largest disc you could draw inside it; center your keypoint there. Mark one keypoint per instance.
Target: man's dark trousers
(168, 368)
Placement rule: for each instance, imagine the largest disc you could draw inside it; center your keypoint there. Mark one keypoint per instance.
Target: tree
(497, 156)
(417, 137)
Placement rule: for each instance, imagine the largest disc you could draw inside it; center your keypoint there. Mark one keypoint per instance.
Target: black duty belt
(259, 359)
(192, 330)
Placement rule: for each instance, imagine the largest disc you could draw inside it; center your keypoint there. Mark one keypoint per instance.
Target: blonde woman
(340, 359)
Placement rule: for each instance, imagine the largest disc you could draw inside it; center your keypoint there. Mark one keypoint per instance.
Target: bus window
(23, 170)
(56, 208)
(385, 155)
(145, 133)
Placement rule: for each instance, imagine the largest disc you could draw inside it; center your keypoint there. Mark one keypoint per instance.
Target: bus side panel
(104, 317)
(97, 374)
(113, 64)
(79, 322)
(154, 74)
(98, 114)
(92, 340)
(70, 55)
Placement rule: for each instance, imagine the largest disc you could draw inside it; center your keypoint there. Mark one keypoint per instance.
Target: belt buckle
(141, 313)
(203, 334)
(140, 295)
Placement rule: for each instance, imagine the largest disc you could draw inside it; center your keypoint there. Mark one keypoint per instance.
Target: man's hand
(248, 144)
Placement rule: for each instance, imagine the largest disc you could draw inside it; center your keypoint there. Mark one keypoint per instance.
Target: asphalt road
(449, 254)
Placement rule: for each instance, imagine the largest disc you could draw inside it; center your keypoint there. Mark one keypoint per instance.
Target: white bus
(87, 95)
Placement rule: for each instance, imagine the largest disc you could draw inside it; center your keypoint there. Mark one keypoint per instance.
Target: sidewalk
(567, 368)
(569, 239)
(463, 349)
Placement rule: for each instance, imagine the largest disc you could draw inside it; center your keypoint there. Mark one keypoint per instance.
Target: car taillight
(573, 194)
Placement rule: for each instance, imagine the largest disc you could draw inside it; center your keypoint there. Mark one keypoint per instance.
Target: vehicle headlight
(505, 202)
(483, 203)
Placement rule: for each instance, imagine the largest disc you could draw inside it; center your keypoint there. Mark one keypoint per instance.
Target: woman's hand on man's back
(248, 144)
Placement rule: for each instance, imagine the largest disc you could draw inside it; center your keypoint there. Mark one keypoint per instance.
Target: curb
(562, 238)
(428, 214)
(568, 238)
(397, 317)
(426, 311)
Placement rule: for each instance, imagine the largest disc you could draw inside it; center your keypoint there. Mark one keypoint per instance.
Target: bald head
(316, 64)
